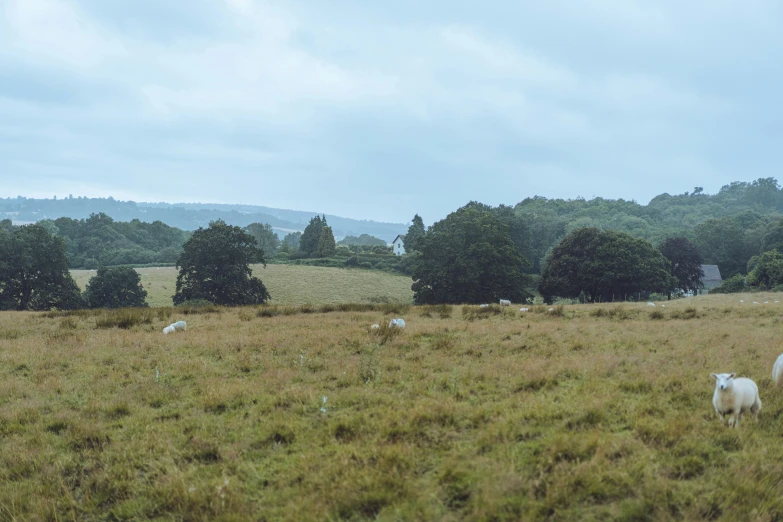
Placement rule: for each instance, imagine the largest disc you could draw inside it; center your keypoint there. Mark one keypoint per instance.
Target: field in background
(290, 284)
(590, 412)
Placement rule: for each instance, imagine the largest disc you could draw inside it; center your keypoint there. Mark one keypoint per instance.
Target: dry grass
(290, 284)
(578, 415)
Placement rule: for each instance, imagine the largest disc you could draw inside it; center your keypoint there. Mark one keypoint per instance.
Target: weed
(125, 318)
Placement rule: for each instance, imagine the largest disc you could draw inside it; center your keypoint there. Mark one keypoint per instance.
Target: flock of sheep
(733, 395)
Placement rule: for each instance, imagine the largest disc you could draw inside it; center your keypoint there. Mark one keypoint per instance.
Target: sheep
(734, 397)
(375, 326)
(483, 306)
(777, 371)
(524, 309)
(179, 326)
(505, 302)
(399, 323)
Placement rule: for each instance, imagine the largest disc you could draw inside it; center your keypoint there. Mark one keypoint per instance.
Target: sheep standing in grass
(733, 397)
(505, 302)
(484, 306)
(179, 326)
(777, 371)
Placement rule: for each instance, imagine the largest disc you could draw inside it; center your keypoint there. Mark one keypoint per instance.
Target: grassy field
(590, 412)
(290, 284)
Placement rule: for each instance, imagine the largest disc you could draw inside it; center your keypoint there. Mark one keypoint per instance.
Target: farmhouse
(711, 277)
(397, 246)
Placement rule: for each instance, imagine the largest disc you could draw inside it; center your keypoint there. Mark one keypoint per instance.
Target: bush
(732, 285)
(117, 287)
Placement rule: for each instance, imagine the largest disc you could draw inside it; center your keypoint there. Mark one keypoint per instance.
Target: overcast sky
(379, 110)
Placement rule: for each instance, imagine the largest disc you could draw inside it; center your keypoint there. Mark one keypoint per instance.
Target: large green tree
(214, 266)
(362, 240)
(768, 271)
(34, 271)
(265, 237)
(326, 245)
(115, 287)
(685, 262)
(731, 241)
(468, 257)
(415, 232)
(604, 265)
(308, 243)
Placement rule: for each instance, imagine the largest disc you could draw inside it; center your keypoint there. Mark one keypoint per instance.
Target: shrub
(125, 318)
(734, 284)
(115, 287)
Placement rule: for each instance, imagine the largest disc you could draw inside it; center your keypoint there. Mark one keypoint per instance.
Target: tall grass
(310, 416)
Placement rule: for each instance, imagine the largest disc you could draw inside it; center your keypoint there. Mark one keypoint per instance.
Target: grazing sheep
(650, 303)
(505, 302)
(524, 309)
(777, 371)
(179, 326)
(483, 306)
(375, 326)
(733, 397)
(399, 323)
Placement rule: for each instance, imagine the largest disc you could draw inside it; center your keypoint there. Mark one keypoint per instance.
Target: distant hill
(189, 216)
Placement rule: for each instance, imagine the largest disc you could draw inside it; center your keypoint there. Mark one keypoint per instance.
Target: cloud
(292, 104)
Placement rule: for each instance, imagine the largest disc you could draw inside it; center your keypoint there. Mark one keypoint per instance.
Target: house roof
(711, 273)
(399, 236)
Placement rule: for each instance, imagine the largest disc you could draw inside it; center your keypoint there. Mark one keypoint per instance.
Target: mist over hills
(188, 216)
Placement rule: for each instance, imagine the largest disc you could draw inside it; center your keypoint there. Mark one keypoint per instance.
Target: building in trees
(711, 277)
(398, 246)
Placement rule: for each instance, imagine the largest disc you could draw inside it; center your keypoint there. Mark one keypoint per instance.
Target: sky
(380, 110)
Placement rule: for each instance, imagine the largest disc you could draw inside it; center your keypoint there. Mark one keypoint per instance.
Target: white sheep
(179, 326)
(733, 397)
(777, 371)
(375, 326)
(650, 303)
(483, 306)
(505, 302)
(399, 323)
(524, 309)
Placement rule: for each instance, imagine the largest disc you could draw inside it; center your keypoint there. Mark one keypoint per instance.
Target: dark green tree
(468, 257)
(214, 266)
(415, 232)
(730, 242)
(604, 265)
(326, 245)
(308, 244)
(115, 287)
(362, 240)
(685, 261)
(34, 271)
(265, 237)
(768, 271)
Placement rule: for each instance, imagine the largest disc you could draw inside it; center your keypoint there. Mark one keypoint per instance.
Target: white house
(397, 247)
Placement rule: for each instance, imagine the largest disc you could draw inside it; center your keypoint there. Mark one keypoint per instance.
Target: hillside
(188, 216)
(291, 284)
(591, 413)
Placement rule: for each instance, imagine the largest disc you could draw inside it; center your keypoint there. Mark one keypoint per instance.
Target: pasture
(588, 412)
(289, 284)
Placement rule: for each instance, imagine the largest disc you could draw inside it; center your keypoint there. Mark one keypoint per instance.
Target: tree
(604, 265)
(326, 246)
(265, 237)
(292, 240)
(34, 271)
(116, 287)
(415, 232)
(686, 261)
(768, 271)
(362, 240)
(214, 266)
(468, 257)
(308, 243)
